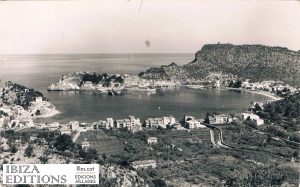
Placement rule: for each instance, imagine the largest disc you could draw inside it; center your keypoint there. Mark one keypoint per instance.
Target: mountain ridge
(256, 62)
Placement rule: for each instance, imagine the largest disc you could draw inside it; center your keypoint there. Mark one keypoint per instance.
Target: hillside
(256, 62)
(169, 72)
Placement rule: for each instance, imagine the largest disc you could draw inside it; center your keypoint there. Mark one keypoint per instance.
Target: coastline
(49, 114)
(263, 93)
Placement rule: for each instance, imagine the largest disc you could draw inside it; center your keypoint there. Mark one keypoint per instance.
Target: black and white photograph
(150, 93)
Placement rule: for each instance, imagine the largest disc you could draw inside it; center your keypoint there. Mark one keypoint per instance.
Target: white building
(135, 124)
(250, 115)
(219, 119)
(74, 125)
(259, 121)
(14, 124)
(110, 122)
(217, 84)
(19, 110)
(66, 131)
(160, 122)
(131, 124)
(53, 126)
(144, 164)
(85, 144)
(155, 123)
(151, 140)
(107, 124)
(253, 117)
(187, 118)
(38, 99)
(194, 124)
(169, 120)
(88, 85)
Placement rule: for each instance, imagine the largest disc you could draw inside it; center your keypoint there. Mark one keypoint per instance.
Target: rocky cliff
(256, 62)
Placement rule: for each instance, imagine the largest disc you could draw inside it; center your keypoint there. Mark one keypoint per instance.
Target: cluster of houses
(14, 99)
(215, 119)
(160, 122)
(130, 123)
(15, 116)
(268, 86)
(134, 124)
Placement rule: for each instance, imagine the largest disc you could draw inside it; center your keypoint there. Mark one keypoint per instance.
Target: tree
(257, 107)
(88, 155)
(14, 149)
(266, 176)
(28, 151)
(104, 156)
(25, 137)
(159, 183)
(235, 84)
(38, 112)
(295, 138)
(44, 159)
(64, 142)
(250, 123)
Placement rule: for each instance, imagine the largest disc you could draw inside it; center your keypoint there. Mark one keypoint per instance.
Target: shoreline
(263, 93)
(49, 114)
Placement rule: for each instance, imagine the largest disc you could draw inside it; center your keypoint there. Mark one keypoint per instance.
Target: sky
(155, 26)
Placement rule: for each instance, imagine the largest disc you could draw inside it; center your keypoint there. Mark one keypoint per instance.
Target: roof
(140, 162)
(152, 138)
(211, 118)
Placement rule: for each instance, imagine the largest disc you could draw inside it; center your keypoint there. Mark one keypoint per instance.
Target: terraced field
(203, 134)
(102, 142)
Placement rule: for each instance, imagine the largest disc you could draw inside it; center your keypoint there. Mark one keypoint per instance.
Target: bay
(39, 71)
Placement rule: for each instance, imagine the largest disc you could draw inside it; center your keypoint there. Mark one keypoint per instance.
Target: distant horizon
(90, 53)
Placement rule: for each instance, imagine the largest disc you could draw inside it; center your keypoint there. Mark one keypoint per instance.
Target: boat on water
(141, 89)
(195, 86)
(118, 90)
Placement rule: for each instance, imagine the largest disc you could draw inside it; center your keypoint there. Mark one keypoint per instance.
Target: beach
(272, 97)
(49, 114)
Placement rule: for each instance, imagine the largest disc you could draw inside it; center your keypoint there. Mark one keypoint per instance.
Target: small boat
(141, 89)
(195, 86)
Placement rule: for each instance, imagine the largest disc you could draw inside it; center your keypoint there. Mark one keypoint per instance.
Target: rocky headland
(255, 62)
(112, 84)
(88, 81)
